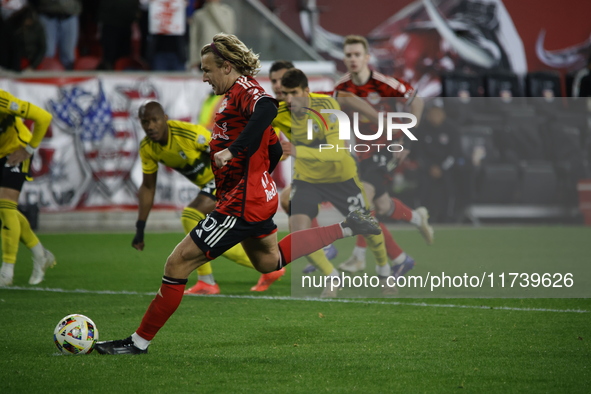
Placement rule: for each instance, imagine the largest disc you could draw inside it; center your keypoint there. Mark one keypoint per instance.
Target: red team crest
(219, 131)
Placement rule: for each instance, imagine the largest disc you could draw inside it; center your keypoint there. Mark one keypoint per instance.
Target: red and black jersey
(244, 187)
(379, 91)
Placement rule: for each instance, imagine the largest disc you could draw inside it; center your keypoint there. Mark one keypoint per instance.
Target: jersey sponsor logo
(269, 186)
(189, 170)
(14, 169)
(182, 154)
(13, 106)
(220, 131)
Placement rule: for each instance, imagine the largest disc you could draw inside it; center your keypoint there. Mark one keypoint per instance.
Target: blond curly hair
(227, 47)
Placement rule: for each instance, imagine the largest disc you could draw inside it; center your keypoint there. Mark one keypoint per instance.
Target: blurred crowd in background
(107, 34)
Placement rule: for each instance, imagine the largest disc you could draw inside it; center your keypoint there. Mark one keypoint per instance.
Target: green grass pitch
(242, 342)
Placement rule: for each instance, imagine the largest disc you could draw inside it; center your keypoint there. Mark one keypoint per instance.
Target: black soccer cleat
(361, 223)
(120, 346)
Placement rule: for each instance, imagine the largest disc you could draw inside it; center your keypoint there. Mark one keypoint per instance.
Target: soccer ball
(75, 334)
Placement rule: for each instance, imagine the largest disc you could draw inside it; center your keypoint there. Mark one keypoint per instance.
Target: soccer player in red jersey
(184, 147)
(380, 91)
(244, 150)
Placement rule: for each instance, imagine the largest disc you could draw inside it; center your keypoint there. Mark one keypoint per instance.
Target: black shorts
(14, 177)
(209, 189)
(218, 232)
(344, 196)
(374, 171)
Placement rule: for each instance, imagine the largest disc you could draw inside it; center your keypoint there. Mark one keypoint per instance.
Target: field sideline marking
(282, 298)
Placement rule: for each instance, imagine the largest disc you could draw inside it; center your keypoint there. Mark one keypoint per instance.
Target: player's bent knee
(266, 267)
(184, 259)
(264, 262)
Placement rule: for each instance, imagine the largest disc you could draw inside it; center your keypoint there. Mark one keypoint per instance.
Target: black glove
(138, 240)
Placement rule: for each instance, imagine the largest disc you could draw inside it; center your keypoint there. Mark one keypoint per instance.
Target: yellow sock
(237, 254)
(189, 219)
(205, 269)
(318, 259)
(377, 246)
(27, 237)
(11, 230)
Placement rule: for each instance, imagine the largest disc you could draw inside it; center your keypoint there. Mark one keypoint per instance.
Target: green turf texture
(243, 345)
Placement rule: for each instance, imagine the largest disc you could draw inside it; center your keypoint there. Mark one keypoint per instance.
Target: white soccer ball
(75, 334)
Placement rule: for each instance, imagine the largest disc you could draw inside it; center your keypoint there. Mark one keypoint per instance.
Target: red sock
(361, 242)
(392, 247)
(315, 223)
(161, 308)
(307, 241)
(401, 211)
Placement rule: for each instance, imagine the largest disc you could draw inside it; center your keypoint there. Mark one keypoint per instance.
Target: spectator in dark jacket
(23, 41)
(116, 18)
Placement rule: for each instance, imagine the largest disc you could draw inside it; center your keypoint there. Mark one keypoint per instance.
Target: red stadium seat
(87, 63)
(51, 64)
(130, 64)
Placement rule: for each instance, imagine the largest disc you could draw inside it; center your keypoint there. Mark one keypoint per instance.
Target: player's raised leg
(301, 243)
(418, 217)
(266, 253)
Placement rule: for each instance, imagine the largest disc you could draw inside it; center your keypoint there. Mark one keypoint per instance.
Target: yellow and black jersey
(313, 164)
(187, 152)
(13, 132)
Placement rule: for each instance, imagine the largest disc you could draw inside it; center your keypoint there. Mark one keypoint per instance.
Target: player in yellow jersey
(320, 175)
(183, 147)
(17, 145)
